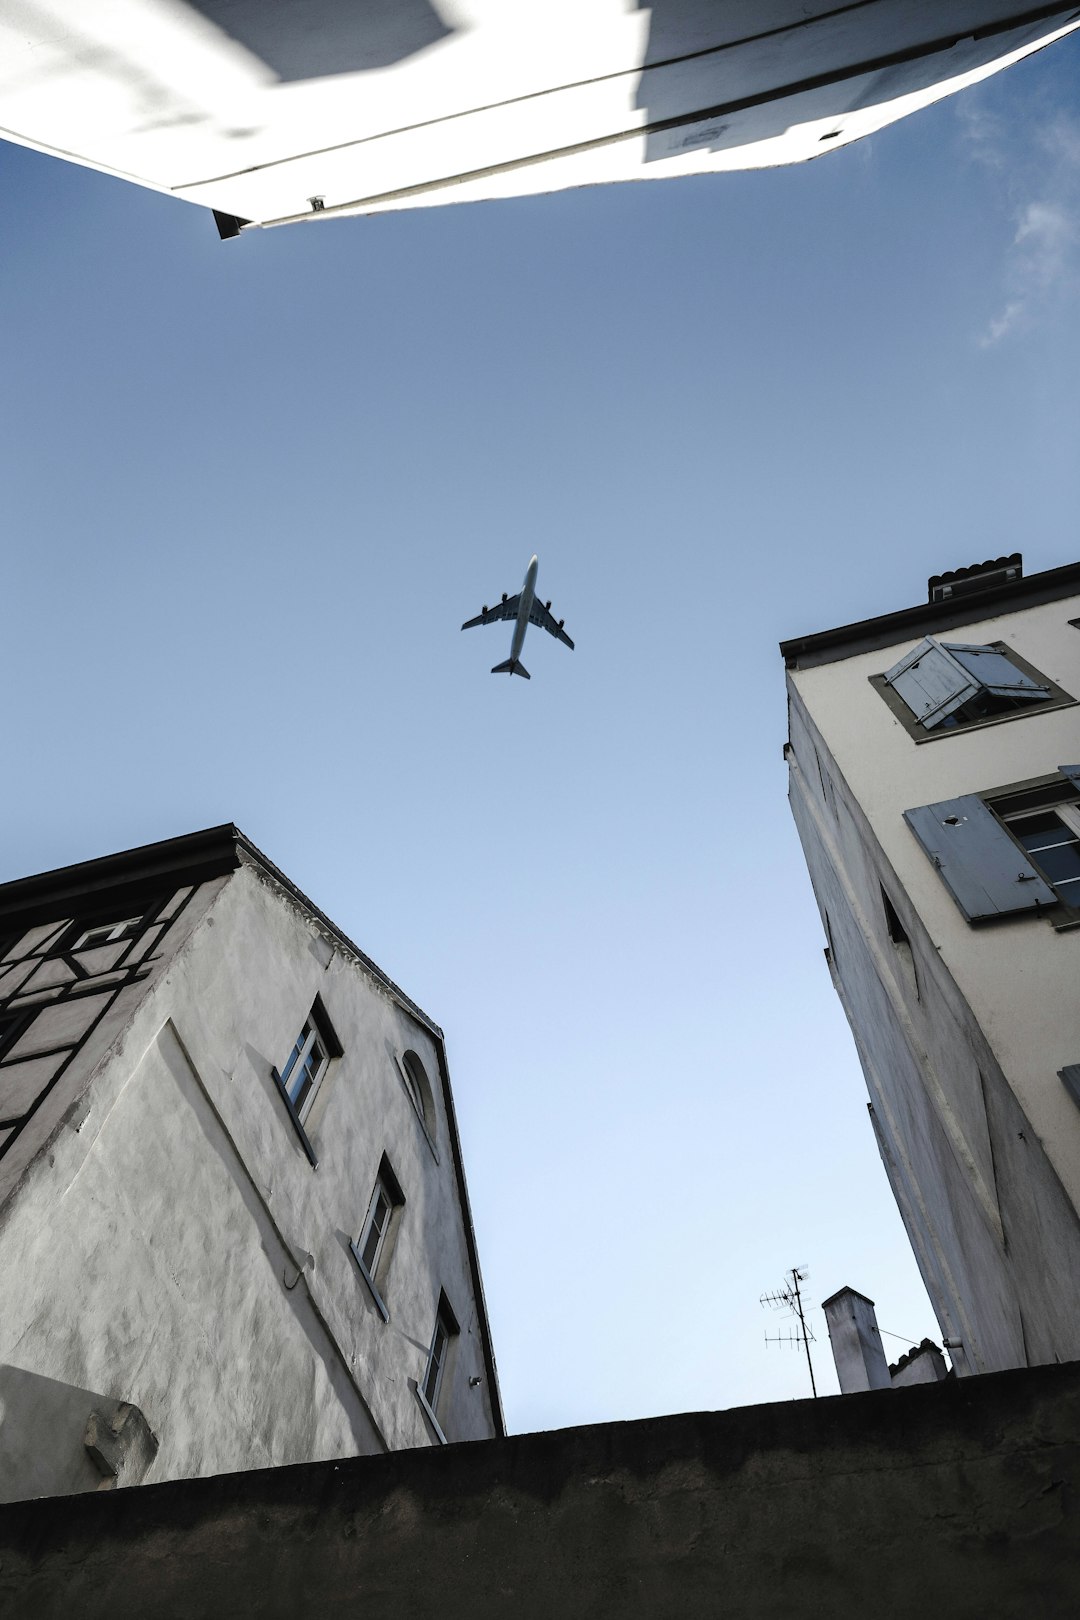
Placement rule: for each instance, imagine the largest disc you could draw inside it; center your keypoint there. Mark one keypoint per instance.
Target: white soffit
(254, 107)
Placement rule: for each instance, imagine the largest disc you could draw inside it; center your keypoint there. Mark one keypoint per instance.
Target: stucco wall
(1018, 977)
(959, 1498)
(975, 1177)
(174, 1247)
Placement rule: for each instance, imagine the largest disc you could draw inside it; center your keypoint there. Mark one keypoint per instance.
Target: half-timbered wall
(174, 1237)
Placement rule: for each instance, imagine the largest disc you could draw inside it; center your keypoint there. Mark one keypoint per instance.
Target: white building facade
(234, 1227)
(934, 782)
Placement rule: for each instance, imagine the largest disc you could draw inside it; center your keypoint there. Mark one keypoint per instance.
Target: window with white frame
(431, 1388)
(1009, 851)
(940, 686)
(305, 1070)
(106, 933)
(1051, 837)
(308, 1062)
(372, 1249)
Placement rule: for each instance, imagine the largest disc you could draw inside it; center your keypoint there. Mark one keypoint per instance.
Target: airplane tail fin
(513, 666)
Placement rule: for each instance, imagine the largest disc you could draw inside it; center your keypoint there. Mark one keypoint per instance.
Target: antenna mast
(788, 1298)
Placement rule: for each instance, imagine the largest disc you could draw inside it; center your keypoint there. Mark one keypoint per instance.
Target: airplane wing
(543, 618)
(501, 610)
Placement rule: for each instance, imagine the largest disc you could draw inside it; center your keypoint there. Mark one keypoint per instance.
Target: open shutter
(931, 682)
(1071, 773)
(996, 674)
(987, 874)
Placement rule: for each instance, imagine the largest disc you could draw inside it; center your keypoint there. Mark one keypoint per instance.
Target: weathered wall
(992, 1228)
(978, 1178)
(174, 1248)
(958, 1496)
(1032, 1018)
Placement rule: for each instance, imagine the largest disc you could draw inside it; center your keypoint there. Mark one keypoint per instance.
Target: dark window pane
(1053, 846)
(371, 1246)
(1028, 828)
(1061, 863)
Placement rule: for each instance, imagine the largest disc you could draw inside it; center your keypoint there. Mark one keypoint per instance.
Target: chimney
(924, 1364)
(975, 577)
(856, 1342)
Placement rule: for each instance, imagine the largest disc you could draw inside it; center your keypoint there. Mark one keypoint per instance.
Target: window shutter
(1070, 1077)
(996, 674)
(987, 874)
(931, 682)
(1071, 773)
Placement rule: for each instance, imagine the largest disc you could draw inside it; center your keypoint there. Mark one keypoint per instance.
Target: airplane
(527, 609)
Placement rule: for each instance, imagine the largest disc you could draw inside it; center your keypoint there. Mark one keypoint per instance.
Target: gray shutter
(996, 673)
(987, 874)
(1071, 773)
(1070, 1077)
(931, 682)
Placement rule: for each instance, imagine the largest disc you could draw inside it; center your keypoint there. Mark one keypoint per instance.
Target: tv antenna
(789, 1299)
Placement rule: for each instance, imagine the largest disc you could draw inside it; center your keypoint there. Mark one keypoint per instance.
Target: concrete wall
(960, 1031)
(171, 1246)
(958, 1497)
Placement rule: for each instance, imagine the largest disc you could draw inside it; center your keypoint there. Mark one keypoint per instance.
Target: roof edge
(827, 646)
(191, 858)
(255, 854)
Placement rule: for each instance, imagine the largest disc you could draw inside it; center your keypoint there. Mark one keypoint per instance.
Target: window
(308, 1062)
(1008, 851)
(898, 934)
(431, 1387)
(105, 934)
(305, 1070)
(86, 933)
(418, 1087)
(940, 686)
(1051, 836)
(372, 1249)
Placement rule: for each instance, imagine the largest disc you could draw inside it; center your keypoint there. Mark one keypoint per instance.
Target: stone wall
(959, 1497)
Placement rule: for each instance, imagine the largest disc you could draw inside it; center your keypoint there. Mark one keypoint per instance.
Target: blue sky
(254, 488)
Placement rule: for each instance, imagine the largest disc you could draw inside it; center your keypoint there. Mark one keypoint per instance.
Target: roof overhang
(868, 635)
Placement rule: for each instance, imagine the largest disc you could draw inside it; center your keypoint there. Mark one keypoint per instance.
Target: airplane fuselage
(528, 592)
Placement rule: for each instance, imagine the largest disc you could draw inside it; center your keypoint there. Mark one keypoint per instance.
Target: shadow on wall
(42, 1429)
(312, 39)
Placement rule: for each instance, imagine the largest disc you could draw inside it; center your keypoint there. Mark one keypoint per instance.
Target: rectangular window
(1009, 851)
(431, 1389)
(305, 1070)
(106, 933)
(307, 1064)
(372, 1249)
(941, 686)
(436, 1362)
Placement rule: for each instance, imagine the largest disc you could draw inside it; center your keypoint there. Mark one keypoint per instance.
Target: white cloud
(1038, 169)
(1010, 316)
